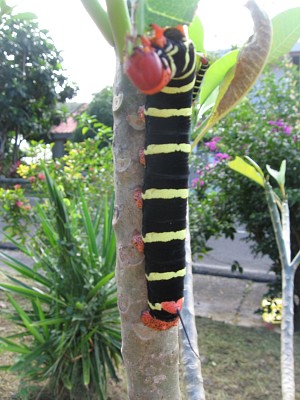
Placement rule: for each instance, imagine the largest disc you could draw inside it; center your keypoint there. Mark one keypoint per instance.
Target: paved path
(223, 298)
(217, 294)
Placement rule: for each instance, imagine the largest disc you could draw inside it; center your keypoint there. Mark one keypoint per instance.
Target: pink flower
(287, 130)
(212, 145)
(19, 203)
(17, 187)
(27, 207)
(197, 183)
(31, 179)
(41, 176)
(221, 156)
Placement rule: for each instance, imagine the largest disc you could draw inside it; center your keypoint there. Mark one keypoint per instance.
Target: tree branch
(99, 16)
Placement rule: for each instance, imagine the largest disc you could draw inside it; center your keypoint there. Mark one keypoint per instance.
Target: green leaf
(255, 165)
(9, 345)
(169, 13)
(31, 293)
(99, 285)
(49, 321)
(279, 176)
(48, 228)
(85, 129)
(196, 34)
(86, 362)
(26, 320)
(241, 166)
(240, 79)
(5, 367)
(23, 269)
(216, 74)
(20, 247)
(286, 32)
(92, 244)
(42, 318)
(25, 16)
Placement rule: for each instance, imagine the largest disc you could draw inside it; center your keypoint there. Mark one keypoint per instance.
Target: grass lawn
(241, 363)
(238, 363)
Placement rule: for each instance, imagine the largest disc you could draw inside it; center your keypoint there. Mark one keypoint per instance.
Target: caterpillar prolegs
(164, 68)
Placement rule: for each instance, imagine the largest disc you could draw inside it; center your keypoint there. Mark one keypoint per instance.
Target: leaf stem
(99, 16)
(120, 24)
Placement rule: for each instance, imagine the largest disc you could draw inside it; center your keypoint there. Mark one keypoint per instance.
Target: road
(225, 251)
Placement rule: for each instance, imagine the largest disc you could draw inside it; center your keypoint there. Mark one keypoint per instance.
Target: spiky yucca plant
(70, 334)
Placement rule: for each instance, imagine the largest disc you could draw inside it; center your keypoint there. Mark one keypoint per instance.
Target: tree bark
(287, 335)
(150, 357)
(191, 363)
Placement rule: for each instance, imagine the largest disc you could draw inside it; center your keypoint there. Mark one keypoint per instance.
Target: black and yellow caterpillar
(165, 190)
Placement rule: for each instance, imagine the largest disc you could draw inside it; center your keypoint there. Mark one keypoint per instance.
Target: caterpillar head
(147, 67)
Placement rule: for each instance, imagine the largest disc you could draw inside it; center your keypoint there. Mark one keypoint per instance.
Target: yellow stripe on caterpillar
(167, 148)
(165, 194)
(187, 60)
(168, 112)
(152, 237)
(180, 89)
(164, 276)
(188, 73)
(156, 306)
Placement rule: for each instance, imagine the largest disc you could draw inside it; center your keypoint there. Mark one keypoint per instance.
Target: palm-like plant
(70, 323)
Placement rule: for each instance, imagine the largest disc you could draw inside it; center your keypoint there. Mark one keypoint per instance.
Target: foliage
(266, 128)
(76, 169)
(98, 115)
(15, 209)
(32, 82)
(70, 318)
(101, 106)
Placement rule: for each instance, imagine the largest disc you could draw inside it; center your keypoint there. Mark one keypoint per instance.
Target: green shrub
(66, 306)
(87, 165)
(266, 127)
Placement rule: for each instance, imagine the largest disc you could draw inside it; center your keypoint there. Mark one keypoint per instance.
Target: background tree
(32, 82)
(101, 106)
(100, 110)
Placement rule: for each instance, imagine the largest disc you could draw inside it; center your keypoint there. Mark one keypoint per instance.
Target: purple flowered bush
(266, 127)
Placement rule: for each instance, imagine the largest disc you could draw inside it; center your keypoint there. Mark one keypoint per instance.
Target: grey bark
(150, 357)
(191, 363)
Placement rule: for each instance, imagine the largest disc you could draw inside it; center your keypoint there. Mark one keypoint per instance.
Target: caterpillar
(164, 69)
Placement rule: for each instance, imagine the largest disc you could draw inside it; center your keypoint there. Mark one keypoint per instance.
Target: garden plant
(66, 305)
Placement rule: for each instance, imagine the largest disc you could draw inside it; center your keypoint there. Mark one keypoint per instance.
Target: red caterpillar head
(146, 69)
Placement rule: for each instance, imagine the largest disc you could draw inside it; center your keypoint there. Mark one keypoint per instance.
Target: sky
(90, 62)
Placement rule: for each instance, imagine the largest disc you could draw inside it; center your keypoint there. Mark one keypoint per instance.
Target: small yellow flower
(23, 170)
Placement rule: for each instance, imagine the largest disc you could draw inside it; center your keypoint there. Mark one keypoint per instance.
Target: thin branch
(120, 24)
(296, 261)
(100, 17)
(286, 233)
(276, 222)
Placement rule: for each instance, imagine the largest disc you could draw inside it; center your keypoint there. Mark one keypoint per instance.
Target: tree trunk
(2, 147)
(191, 363)
(150, 357)
(287, 334)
